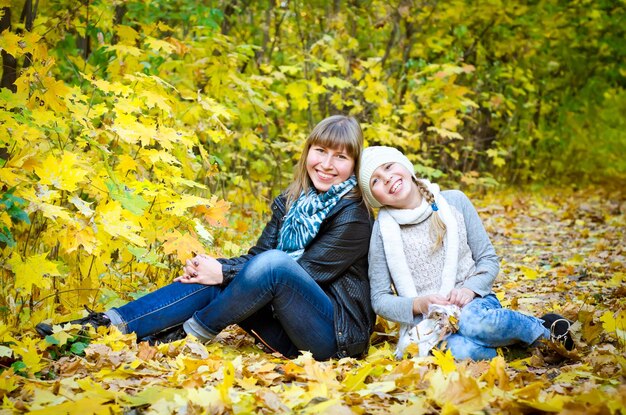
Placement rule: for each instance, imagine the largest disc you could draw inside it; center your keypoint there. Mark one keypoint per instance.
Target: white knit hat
(371, 159)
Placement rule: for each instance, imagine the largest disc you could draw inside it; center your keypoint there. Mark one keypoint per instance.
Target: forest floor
(562, 251)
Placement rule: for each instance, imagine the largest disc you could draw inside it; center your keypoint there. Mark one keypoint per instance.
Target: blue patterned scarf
(305, 217)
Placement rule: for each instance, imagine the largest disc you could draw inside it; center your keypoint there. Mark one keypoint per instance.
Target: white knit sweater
(425, 264)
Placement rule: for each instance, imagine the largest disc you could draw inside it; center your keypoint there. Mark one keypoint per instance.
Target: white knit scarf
(426, 333)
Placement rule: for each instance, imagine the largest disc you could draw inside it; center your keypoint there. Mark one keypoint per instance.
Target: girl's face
(392, 185)
(328, 166)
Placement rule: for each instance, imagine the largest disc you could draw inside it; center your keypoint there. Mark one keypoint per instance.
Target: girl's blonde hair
(336, 132)
(438, 228)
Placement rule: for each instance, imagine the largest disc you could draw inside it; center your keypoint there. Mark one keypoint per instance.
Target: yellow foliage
(33, 272)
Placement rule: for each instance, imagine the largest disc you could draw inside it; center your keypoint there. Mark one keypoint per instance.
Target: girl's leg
(463, 348)
(161, 309)
(485, 322)
(299, 304)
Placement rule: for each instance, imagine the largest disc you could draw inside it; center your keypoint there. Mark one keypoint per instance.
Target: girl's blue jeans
(484, 325)
(272, 297)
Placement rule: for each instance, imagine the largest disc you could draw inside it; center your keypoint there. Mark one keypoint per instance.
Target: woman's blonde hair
(336, 132)
(438, 228)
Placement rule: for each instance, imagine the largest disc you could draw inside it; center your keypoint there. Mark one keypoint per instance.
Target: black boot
(559, 328)
(95, 319)
(166, 336)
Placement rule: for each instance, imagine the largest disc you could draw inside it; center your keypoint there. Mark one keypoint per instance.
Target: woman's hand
(203, 269)
(461, 296)
(420, 304)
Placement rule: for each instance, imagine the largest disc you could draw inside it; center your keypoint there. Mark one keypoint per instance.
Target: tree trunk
(9, 63)
(29, 11)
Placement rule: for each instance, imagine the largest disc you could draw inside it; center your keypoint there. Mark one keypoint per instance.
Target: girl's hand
(420, 304)
(461, 296)
(203, 269)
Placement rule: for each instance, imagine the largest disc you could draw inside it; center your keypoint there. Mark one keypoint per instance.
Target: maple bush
(129, 127)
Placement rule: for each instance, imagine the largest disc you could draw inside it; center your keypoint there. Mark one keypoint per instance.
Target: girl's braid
(426, 194)
(438, 228)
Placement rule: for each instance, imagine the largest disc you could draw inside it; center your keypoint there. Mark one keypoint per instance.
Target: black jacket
(337, 260)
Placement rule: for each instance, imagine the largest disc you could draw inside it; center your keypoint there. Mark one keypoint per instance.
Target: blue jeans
(484, 325)
(272, 297)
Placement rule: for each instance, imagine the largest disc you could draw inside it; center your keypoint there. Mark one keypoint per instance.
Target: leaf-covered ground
(561, 251)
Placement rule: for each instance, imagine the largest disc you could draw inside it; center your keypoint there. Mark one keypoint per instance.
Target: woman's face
(328, 166)
(392, 185)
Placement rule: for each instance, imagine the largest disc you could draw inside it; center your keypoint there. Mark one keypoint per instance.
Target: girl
(434, 250)
(303, 286)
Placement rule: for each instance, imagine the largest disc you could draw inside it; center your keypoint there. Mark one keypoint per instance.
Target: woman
(303, 286)
(433, 249)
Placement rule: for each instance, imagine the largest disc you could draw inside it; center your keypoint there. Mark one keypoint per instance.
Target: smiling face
(392, 185)
(328, 166)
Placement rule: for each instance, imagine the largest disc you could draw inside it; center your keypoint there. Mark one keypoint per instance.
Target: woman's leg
(161, 309)
(264, 327)
(485, 322)
(299, 304)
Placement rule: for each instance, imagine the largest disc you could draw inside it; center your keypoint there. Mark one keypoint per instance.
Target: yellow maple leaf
(154, 99)
(185, 246)
(456, 393)
(298, 91)
(82, 206)
(227, 382)
(110, 219)
(5, 219)
(51, 211)
(375, 92)
(444, 360)
(64, 173)
(9, 381)
(356, 381)
(10, 43)
(333, 81)
(156, 44)
(27, 348)
(615, 322)
(551, 403)
(529, 273)
(12, 177)
(33, 271)
(126, 163)
(89, 405)
(116, 88)
(215, 213)
(241, 226)
(127, 34)
(61, 335)
(179, 207)
(79, 234)
(55, 91)
(123, 50)
(44, 116)
(496, 375)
